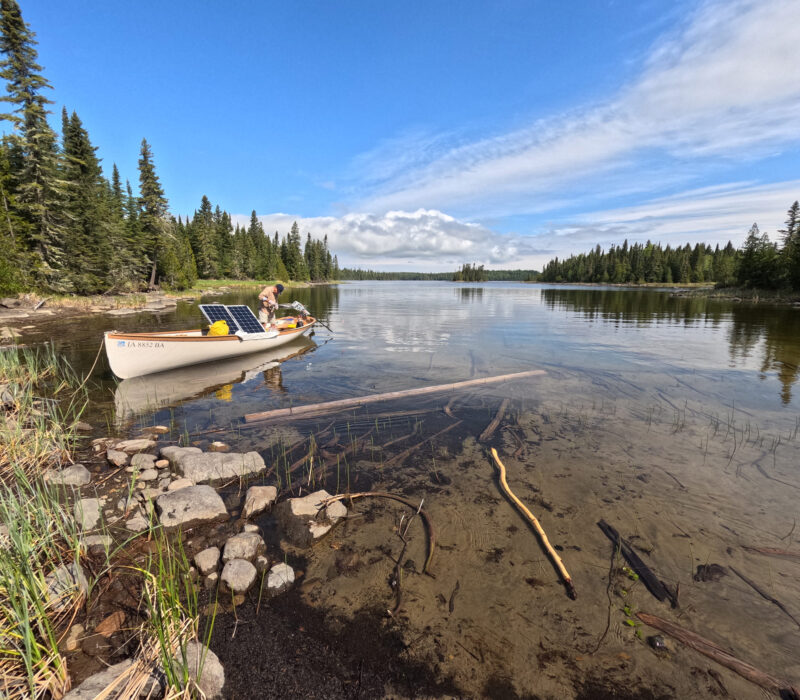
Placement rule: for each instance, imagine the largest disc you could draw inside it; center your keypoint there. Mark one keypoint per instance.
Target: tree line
(759, 263)
(64, 227)
(467, 273)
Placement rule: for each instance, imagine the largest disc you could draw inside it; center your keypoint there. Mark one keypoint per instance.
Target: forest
(759, 263)
(66, 228)
(467, 273)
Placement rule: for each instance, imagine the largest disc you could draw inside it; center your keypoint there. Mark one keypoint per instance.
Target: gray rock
(122, 312)
(143, 460)
(137, 523)
(172, 453)
(117, 457)
(251, 527)
(258, 499)
(87, 512)
(204, 668)
(211, 581)
(148, 475)
(96, 684)
(64, 584)
(75, 475)
(301, 519)
(83, 427)
(207, 560)
(179, 484)
(135, 445)
(335, 511)
(213, 467)
(280, 578)
(238, 575)
(246, 545)
(190, 506)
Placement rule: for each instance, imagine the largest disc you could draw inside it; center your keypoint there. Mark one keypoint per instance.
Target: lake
(673, 419)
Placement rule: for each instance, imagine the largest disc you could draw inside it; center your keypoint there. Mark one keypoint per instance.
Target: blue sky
(419, 135)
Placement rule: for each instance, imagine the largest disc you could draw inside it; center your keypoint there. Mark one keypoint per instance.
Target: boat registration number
(139, 344)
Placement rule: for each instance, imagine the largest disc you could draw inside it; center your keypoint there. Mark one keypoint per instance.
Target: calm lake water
(673, 419)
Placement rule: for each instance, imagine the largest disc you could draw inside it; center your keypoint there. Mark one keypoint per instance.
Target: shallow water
(674, 419)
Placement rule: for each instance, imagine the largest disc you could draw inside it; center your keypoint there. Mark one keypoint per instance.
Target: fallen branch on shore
(394, 497)
(486, 434)
(316, 408)
(718, 654)
(651, 581)
(536, 526)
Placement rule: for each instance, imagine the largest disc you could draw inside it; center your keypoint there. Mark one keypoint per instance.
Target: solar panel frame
(219, 312)
(243, 315)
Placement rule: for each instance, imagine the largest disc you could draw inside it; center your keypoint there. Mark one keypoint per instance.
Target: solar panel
(246, 319)
(219, 312)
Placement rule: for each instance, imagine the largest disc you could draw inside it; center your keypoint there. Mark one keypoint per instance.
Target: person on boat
(269, 304)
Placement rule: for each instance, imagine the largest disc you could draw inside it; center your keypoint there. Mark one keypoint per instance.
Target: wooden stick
(765, 595)
(536, 526)
(414, 448)
(772, 552)
(418, 508)
(486, 434)
(342, 403)
(718, 654)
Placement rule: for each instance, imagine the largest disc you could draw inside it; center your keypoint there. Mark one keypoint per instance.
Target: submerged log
(773, 552)
(296, 411)
(651, 581)
(486, 434)
(718, 654)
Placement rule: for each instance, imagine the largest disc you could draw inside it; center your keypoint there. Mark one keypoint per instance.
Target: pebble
(117, 457)
(148, 475)
(143, 460)
(73, 639)
(162, 463)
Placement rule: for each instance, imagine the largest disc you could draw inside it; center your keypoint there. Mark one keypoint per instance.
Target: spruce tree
(153, 210)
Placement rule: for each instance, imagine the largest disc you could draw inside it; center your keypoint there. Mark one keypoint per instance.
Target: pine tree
(790, 253)
(153, 203)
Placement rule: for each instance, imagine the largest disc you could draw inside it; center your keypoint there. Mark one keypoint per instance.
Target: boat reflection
(139, 395)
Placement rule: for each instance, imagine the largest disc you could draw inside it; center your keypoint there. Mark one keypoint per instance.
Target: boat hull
(136, 354)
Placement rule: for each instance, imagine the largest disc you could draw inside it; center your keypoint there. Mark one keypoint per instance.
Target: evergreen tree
(153, 210)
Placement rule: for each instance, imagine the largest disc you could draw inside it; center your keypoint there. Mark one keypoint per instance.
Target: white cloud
(726, 84)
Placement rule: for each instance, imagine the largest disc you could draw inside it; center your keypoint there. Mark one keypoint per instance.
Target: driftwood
(486, 434)
(765, 595)
(317, 408)
(536, 526)
(394, 497)
(773, 552)
(651, 581)
(718, 654)
(399, 457)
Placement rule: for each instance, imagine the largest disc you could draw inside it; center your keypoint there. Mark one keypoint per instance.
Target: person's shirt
(267, 297)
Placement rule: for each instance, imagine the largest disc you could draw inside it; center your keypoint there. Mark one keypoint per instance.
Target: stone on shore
(137, 523)
(96, 684)
(212, 467)
(179, 484)
(301, 520)
(117, 457)
(143, 460)
(218, 446)
(207, 560)
(204, 669)
(258, 499)
(135, 445)
(148, 475)
(335, 511)
(280, 578)
(65, 584)
(75, 475)
(173, 453)
(87, 512)
(246, 545)
(110, 624)
(190, 506)
(238, 575)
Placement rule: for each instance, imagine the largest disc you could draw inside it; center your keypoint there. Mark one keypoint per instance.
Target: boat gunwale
(173, 335)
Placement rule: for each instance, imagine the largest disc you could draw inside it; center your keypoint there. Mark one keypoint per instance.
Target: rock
(148, 475)
(162, 464)
(117, 458)
(83, 427)
(251, 527)
(97, 544)
(280, 578)
(135, 445)
(8, 333)
(238, 575)
(110, 624)
(211, 581)
(204, 668)
(262, 563)
(335, 511)
(246, 545)
(126, 504)
(218, 446)
(65, 584)
(164, 482)
(122, 312)
(143, 460)
(72, 642)
(301, 520)
(96, 684)
(258, 499)
(137, 523)
(179, 484)
(207, 560)
(159, 429)
(87, 513)
(10, 302)
(75, 475)
(173, 453)
(190, 506)
(212, 467)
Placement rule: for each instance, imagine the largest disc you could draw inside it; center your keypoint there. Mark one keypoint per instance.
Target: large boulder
(304, 520)
(211, 467)
(190, 506)
(246, 545)
(258, 499)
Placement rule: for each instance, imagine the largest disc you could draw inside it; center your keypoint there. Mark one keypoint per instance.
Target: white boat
(151, 392)
(137, 354)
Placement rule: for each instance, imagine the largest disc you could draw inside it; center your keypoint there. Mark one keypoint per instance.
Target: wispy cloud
(724, 85)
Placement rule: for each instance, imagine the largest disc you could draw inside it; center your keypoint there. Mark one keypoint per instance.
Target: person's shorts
(266, 316)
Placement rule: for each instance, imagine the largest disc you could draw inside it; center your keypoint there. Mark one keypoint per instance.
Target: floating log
(536, 526)
(651, 581)
(296, 411)
(718, 654)
(486, 434)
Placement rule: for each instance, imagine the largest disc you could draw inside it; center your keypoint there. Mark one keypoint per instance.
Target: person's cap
(279, 287)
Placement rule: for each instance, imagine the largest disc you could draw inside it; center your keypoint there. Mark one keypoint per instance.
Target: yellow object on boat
(218, 328)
